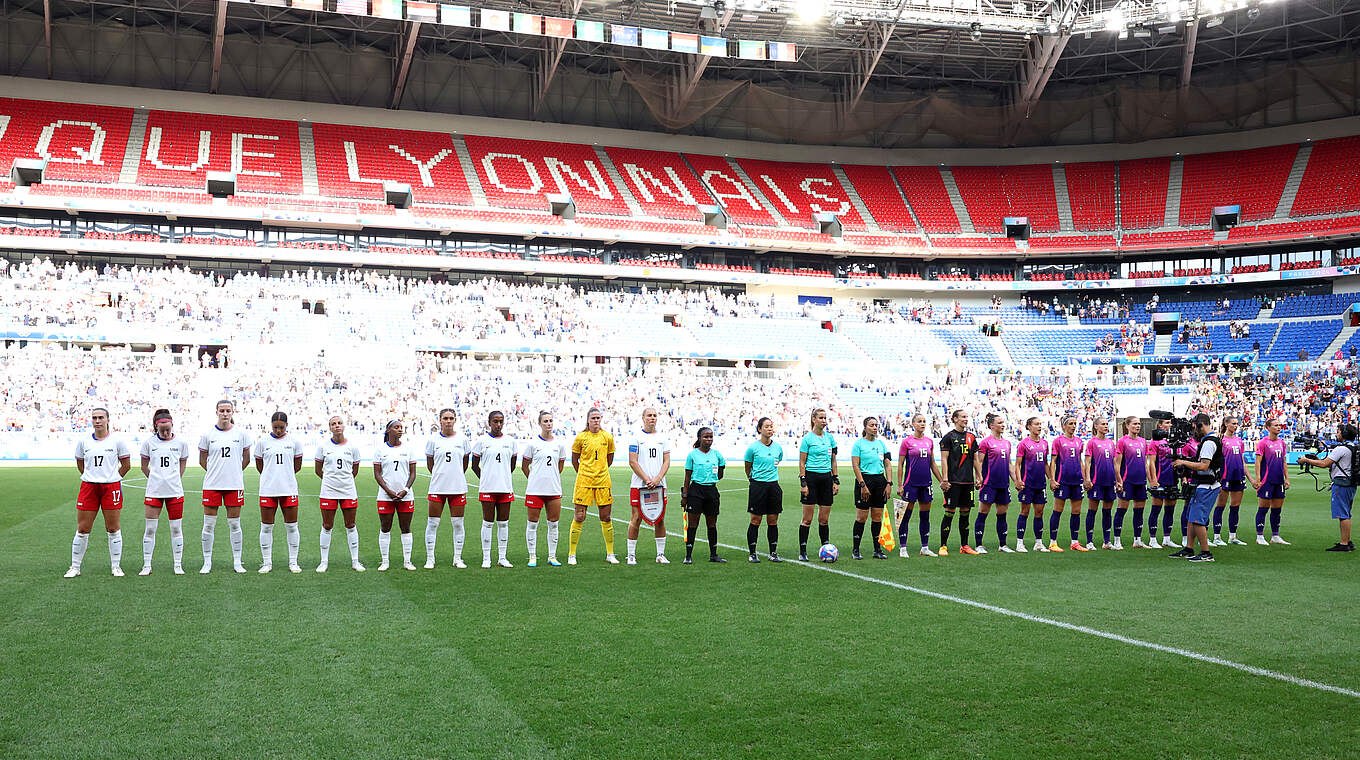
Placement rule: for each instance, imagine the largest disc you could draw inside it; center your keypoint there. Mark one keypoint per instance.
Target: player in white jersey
(164, 457)
(493, 460)
(446, 457)
(102, 461)
(394, 467)
(544, 458)
(223, 453)
(649, 456)
(337, 464)
(278, 458)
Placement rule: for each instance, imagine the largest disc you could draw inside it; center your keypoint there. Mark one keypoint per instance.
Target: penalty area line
(1163, 648)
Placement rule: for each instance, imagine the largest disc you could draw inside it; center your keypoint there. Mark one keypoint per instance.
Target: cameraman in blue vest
(1206, 471)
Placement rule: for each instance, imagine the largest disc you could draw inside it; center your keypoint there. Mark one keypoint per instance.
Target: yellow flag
(887, 535)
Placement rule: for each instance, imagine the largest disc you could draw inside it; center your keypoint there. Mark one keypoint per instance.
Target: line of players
(1130, 469)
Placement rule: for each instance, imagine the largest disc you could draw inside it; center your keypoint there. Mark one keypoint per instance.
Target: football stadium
(740, 378)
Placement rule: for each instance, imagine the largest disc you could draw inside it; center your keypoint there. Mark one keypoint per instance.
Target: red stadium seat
(799, 190)
(1091, 192)
(353, 162)
(181, 148)
(741, 201)
(1253, 179)
(520, 173)
(991, 193)
(82, 143)
(1331, 181)
(924, 189)
(1142, 192)
(662, 183)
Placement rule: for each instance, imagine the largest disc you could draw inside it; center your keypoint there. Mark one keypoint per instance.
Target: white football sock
(660, 545)
(352, 534)
(267, 543)
(486, 540)
(632, 547)
(237, 538)
(149, 541)
(431, 536)
(177, 541)
(503, 536)
(325, 546)
(406, 541)
(458, 536)
(209, 532)
(294, 538)
(384, 544)
(116, 547)
(552, 539)
(78, 546)
(531, 539)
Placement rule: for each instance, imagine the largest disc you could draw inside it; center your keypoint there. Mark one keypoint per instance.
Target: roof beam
(404, 65)
(552, 55)
(1188, 55)
(865, 60)
(686, 80)
(219, 32)
(1041, 58)
(47, 33)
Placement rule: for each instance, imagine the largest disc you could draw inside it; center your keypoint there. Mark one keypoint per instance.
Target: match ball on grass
(828, 553)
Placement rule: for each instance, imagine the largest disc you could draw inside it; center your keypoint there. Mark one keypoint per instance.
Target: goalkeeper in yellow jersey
(591, 455)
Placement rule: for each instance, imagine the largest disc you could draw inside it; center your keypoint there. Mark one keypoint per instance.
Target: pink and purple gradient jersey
(1271, 455)
(1033, 458)
(1067, 457)
(1163, 456)
(1133, 462)
(919, 455)
(1101, 452)
(996, 462)
(1190, 453)
(1234, 465)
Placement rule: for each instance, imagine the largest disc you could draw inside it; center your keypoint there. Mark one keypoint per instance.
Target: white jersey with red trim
(651, 450)
(337, 469)
(496, 455)
(544, 458)
(396, 467)
(224, 449)
(101, 458)
(163, 480)
(447, 478)
(278, 477)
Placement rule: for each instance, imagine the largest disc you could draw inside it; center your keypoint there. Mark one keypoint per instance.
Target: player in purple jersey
(1188, 451)
(1030, 472)
(1098, 471)
(1162, 476)
(1234, 484)
(992, 469)
(1272, 480)
(915, 465)
(1130, 466)
(1065, 477)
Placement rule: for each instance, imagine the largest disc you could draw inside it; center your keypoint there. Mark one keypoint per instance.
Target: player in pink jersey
(1098, 470)
(1065, 478)
(1030, 472)
(1130, 466)
(1271, 481)
(1165, 489)
(915, 465)
(1234, 483)
(992, 465)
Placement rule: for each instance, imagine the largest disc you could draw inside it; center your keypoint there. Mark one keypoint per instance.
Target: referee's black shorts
(959, 496)
(819, 489)
(765, 497)
(878, 492)
(702, 499)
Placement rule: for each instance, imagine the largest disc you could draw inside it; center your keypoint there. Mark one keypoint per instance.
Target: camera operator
(1341, 461)
(1206, 470)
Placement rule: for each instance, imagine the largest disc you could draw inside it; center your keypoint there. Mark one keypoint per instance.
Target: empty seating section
(1209, 311)
(1331, 304)
(924, 189)
(1090, 192)
(181, 148)
(1309, 337)
(1220, 336)
(1331, 181)
(80, 142)
(661, 182)
(519, 173)
(1253, 179)
(800, 190)
(1142, 192)
(1012, 315)
(777, 338)
(353, 162)
(1032, 347)
(880, 195)
(741, 201)
(911, 345)
(992, 193)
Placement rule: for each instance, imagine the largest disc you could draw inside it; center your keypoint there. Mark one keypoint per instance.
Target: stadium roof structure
(883, 73)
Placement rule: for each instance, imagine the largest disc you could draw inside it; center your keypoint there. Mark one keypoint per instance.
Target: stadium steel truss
(867, 72)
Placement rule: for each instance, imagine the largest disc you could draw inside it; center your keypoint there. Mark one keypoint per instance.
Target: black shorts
(702, 499)
(878, 492)
(819, 490)
(764, 498)
(959, 496)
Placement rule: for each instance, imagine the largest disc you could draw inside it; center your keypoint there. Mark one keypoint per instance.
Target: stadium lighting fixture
(1114, 19)
(809, 11)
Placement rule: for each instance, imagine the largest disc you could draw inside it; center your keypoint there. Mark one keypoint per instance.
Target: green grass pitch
(704, 661)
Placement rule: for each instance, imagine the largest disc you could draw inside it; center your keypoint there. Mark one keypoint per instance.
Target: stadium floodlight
(810, 11)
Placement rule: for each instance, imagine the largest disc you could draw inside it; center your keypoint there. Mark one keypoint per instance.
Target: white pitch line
(1189, 654)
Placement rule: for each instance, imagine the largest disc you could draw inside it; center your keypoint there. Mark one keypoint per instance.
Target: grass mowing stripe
(1252, 669)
